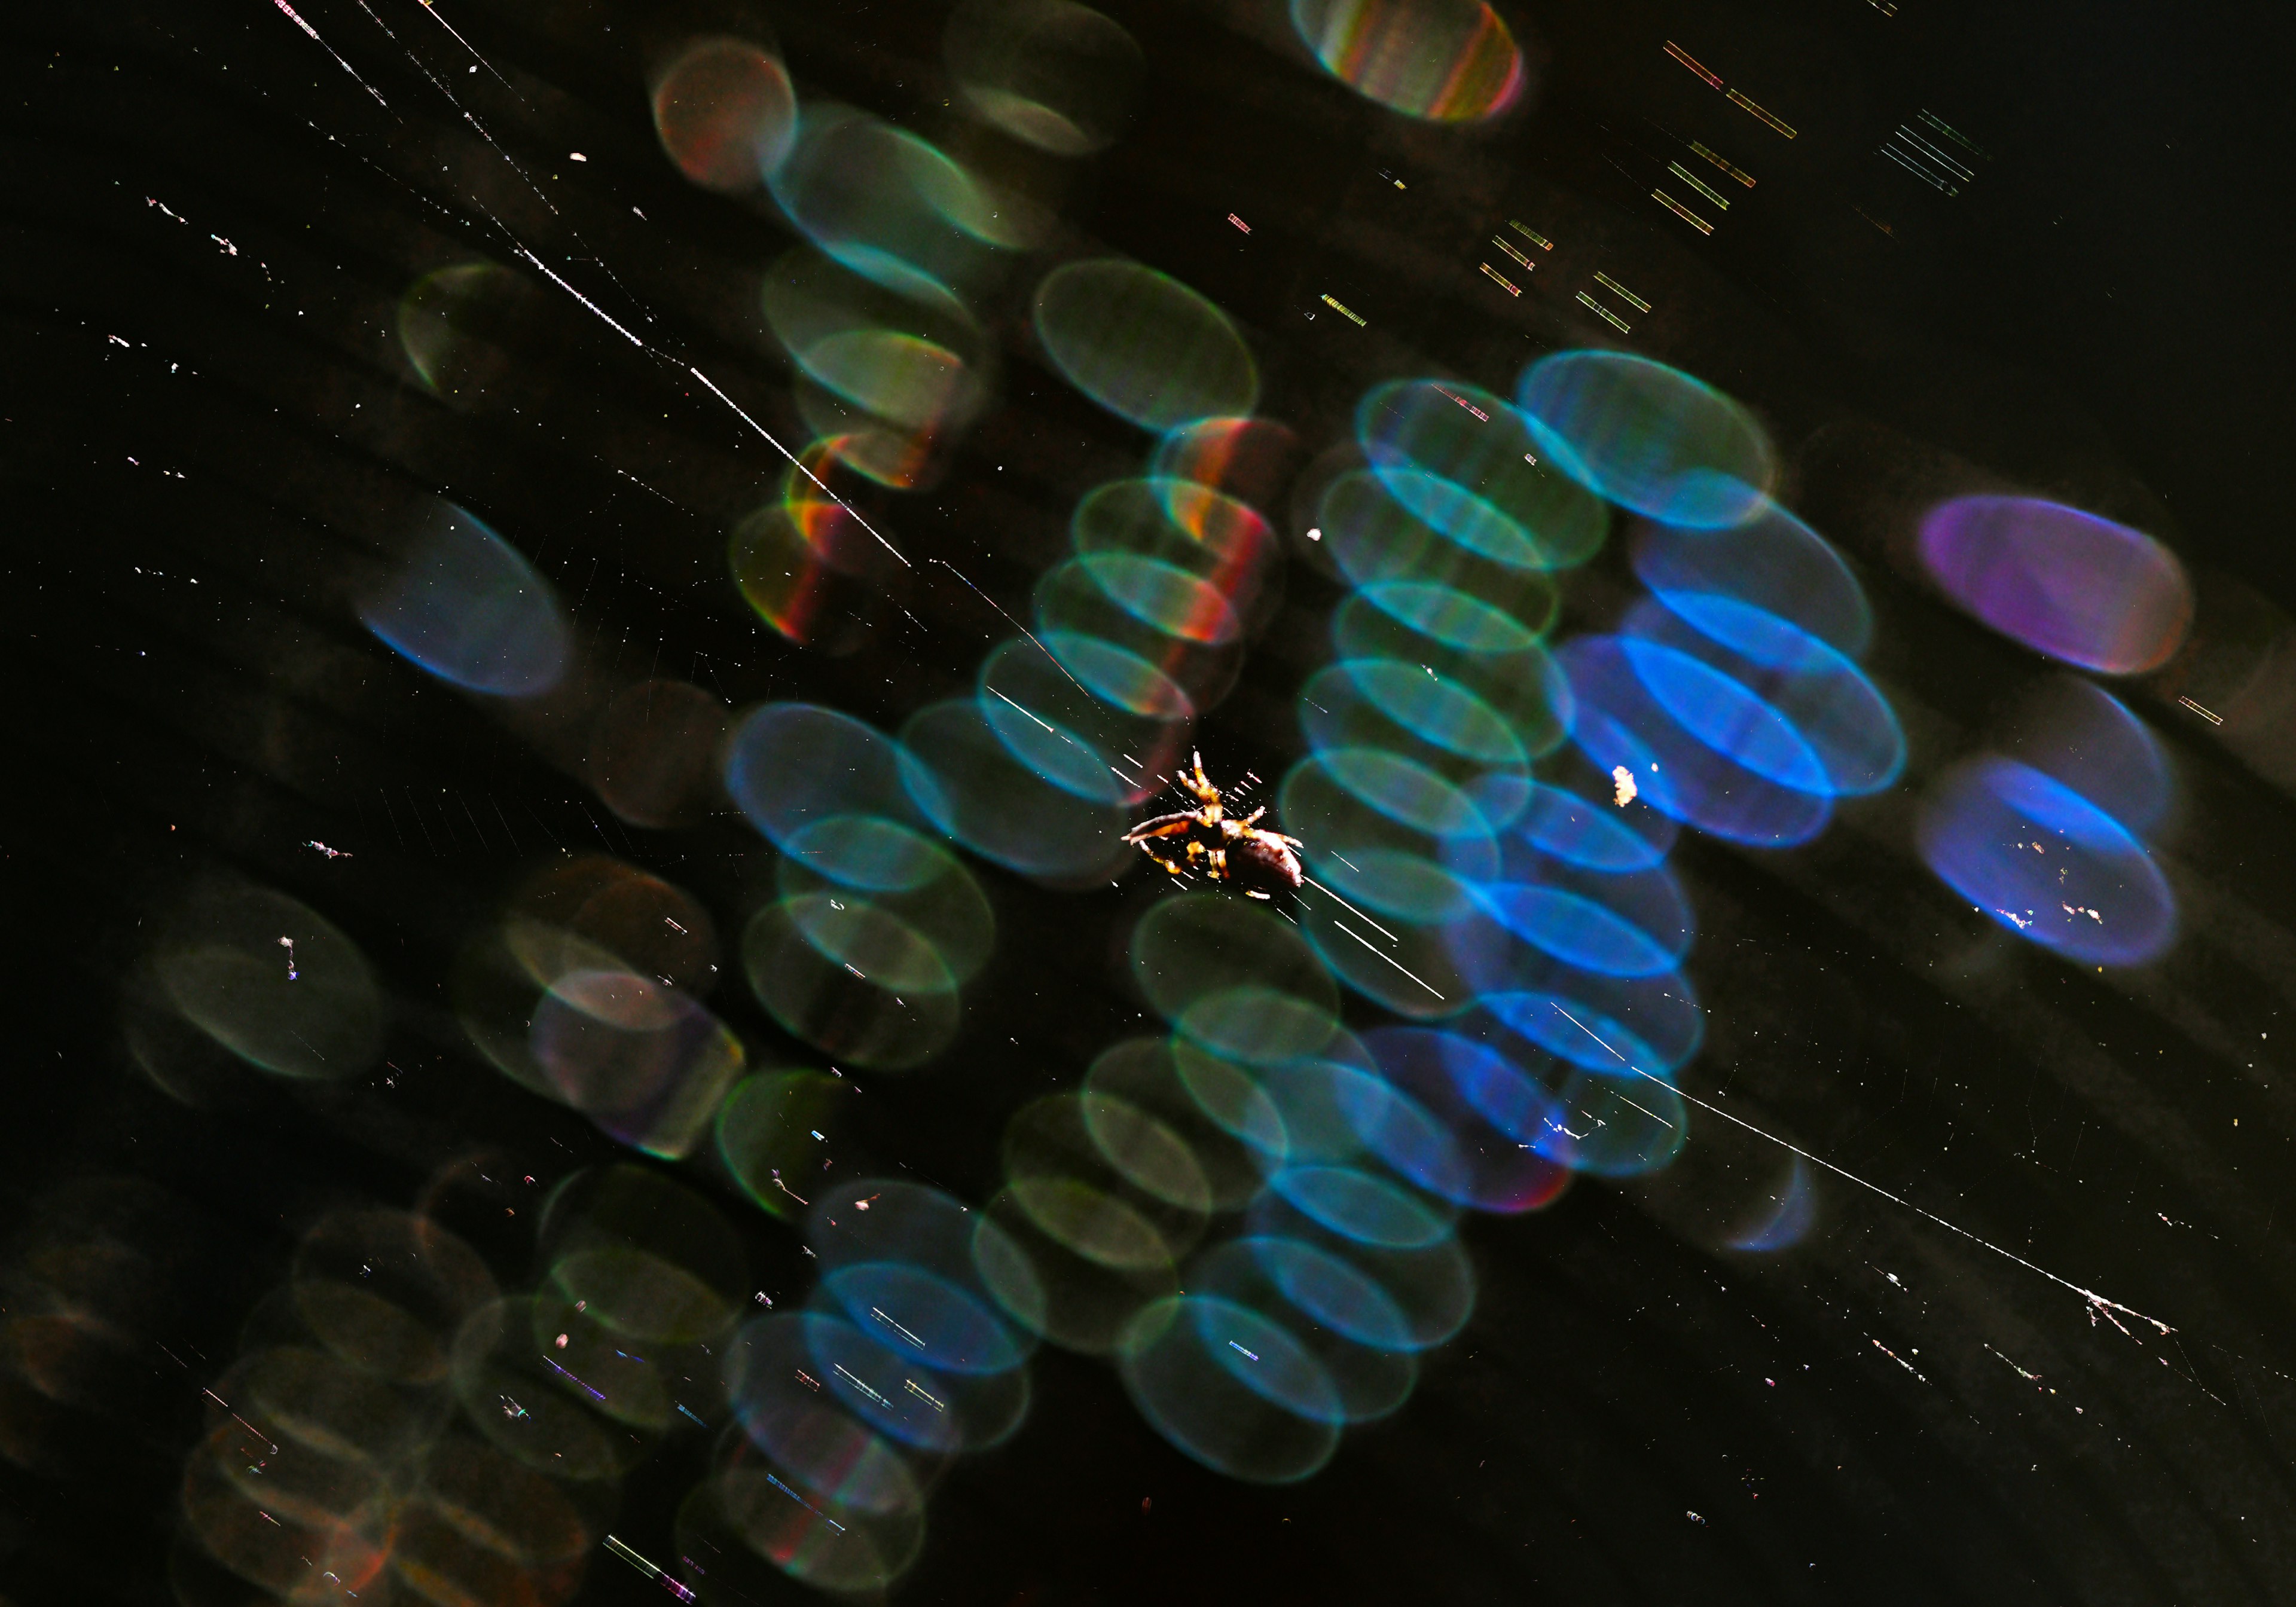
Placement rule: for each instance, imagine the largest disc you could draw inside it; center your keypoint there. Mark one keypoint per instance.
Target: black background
(2100, 316)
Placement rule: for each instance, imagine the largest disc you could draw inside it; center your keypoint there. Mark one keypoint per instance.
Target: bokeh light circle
(1142, 345)
(469, 608)
(1052, 74)
(1447, 60)
(2068, 584)
(1648, 436)
(726, 113)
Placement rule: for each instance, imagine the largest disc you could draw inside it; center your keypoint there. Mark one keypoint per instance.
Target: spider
(1258, 864)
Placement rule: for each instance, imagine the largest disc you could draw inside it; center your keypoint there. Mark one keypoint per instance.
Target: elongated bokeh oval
(465, 605)
(1649, 438)
(1142, 345)
(2065, 583)
(1447, 61)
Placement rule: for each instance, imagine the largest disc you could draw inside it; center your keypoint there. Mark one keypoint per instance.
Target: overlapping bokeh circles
(1426, 732)
(1549, 915)
(1732, 694)
(1137, 634)
(1141, 633)
(644, 1257)
(333, 1470)
(876, 926)
(1350, 1179)
(580, 1380)
(1347, 1268)
(1235, 1391)
(894, 209)
(904, 1333)
(1401, 846)
(480, 1527)
(1770, 588)
(1648, 436)
(1249, 459)
(1190, 525)
(653, 754)
(1451, 1118)
(1623, 724)
(937, 1258)
(1580, 906)
(1110, 1188)
(807, 1485)
(1094, 1244)
(907, 1355)
(643, 1060)
(999, 805)
(525, 1404)
(586, 993)
(2046, 832)
(1051, 721)
(1447, 60)
(1142, 345)
(1472, 477)
(1772, 606)
(1237, 979)
(1193, 1130)
(1052, 74)
(463, 604)
(385, 1291)
(891, 367)
(272, 982)
(807, 562)
(1344, 1320)
(1376, 541)
(2068, 585)
(1590, 1091)
(726, 113)
(1363, 1259)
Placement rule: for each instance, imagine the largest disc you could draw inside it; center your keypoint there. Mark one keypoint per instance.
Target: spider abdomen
(1260, 862)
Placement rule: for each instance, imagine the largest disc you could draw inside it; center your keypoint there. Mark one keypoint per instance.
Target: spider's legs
(1199, 785)
(1163, 825)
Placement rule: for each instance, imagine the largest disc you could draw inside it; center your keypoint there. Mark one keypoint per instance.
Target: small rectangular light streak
(1697, 183)
(1622, 292)
(1681, 211)
(1739, 174)
(1687, 59)
(1604, 313)
(1743, 105)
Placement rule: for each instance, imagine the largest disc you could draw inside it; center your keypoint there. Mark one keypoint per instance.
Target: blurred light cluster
(849, 1408)
(2046, 833)
(358, 1446)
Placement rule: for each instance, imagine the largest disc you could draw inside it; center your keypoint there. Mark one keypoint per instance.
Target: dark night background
(2098, 317)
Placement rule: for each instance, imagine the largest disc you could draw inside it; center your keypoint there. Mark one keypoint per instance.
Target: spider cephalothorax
(1257, 864)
